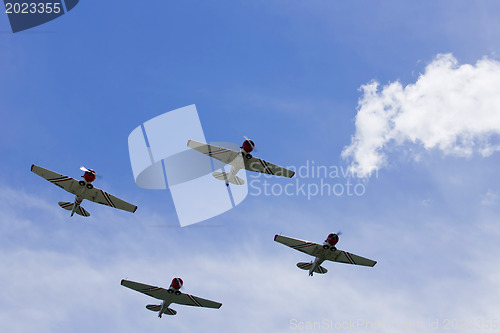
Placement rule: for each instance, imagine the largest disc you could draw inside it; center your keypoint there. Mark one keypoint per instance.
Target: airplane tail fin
(307, 266)
(224, 176)
(156, 308)
(69, 206)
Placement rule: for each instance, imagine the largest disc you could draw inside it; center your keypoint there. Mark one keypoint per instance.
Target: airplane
(327, 251)
(82, 189)
(169, 296)
(248, 162)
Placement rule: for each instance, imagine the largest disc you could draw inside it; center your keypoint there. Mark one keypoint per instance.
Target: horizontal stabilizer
(157, 308)
(153, 307)
(231, 179)
(220, 175)
(69, 206)
(308, 265)
(304, 265)
(237, 181)
(320, 270)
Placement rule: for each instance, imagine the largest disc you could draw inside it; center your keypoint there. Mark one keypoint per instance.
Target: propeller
(339, 233)
(84, 169)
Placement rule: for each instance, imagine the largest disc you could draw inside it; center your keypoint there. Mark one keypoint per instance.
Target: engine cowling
(332, 239)
(176, 284)
(248, 146)
(89, 176)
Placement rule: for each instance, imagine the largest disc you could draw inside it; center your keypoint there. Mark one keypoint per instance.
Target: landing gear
(81, 183)
(248, 156)
(326, 247)
(170, 291)
(90, 186)
(333, 248)
(178, 292)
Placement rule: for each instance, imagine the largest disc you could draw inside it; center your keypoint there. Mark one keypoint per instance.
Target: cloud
(65, 275)
(452, 108)
(490, 198)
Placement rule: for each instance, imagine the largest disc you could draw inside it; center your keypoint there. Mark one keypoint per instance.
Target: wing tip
(275, 236)
(32, 167)
(135, 209)
(293, 174)
(123, 280)
(220, 304)
(189, 141)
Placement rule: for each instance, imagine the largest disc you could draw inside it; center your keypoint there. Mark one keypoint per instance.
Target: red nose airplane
(82, 189)
(327, 251)
(169, 296)
(242, 159)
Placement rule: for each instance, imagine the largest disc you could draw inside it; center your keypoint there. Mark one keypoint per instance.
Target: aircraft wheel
(326, 247)
(81, 182)
(170, 291)
(177, 292)
(90, 186)
(248, 156)
(333, 248)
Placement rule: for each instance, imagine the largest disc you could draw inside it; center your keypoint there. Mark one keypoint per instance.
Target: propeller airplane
(326, 251)
(168, 296)
(247, 161)
(82, 189)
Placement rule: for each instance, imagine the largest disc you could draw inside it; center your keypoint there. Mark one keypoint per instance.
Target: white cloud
(453, 108)
(490, 198)
(65, 276)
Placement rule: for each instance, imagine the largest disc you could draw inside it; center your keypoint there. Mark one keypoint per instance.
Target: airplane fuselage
(317, 262)
(85, 183)
(164, 306)
(321, 254)
(78, 201)
(231, 176)
(236, 166)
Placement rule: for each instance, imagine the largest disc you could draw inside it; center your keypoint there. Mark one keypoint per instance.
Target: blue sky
(288, 75)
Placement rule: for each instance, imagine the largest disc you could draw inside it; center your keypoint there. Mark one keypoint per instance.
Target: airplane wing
(222, 154)
(258, 165)
(156, 292)
(317, 250)
(299, 245)
(67, 183)
(187, 299)
(163, 294)
(96, 195)
(349, 258)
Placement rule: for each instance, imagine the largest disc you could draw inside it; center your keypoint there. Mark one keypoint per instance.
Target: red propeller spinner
(89, 174)
(248, 145)
(333, 239)
(176, 283)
